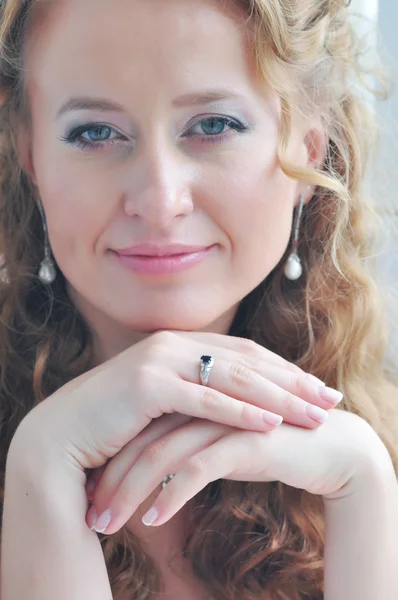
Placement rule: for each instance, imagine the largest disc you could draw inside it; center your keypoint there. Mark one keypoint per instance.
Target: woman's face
(150, 159)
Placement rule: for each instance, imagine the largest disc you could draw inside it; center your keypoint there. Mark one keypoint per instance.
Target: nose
(161, 189)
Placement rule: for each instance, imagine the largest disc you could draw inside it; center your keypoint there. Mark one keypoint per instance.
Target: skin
(156, 184)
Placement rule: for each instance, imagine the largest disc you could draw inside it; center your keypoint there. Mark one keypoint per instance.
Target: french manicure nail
(331, 395)
(91, 517)
(272, 419)
(150, 517)
(103, 521)
(316, 413)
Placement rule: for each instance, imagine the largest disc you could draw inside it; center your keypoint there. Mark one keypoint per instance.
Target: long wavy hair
(249, 541)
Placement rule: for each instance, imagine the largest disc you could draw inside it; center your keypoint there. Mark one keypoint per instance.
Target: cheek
(76, 209)
(72, 223)
(256, 214)
(75, 195)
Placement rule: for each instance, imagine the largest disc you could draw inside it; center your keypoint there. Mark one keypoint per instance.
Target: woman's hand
(322, 461)
(90, 419)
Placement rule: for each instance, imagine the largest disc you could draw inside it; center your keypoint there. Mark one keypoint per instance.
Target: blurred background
(387, 12)
(388, 24)
(380, 27)
(387, 175)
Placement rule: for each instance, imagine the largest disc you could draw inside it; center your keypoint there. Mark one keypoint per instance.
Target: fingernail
(103, 521)
(272, 419)
(316, 413)
(150, 517)
(91, 517)
(331, 395)
(315, 379)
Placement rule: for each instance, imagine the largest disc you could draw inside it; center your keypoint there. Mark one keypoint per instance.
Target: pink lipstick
(154, 259)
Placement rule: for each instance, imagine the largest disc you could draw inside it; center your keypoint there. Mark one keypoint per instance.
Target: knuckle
(144, 377)
(245, 412)
(196, 466)
(295, 381)
(158, 347)
(154, 453)
(250, 361)
(209, 399)
(289, 403)
(239, 374)
(293, 368)
(164, 338)
(248, 347)
(154, 353)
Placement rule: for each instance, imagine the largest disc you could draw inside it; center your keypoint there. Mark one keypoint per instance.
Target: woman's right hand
(94, 416)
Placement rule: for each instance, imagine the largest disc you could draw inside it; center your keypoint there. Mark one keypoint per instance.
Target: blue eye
(99, 134)
(211, 128)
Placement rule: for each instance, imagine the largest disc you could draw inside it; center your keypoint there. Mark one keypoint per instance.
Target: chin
(167, 322)
(195, 319)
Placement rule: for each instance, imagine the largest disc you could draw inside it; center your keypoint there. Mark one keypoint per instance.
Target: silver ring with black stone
(206, 365)
(166, 480)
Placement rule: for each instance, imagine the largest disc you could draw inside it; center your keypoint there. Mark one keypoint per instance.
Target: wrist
(370, 476)
(33, 457)
(46, 542)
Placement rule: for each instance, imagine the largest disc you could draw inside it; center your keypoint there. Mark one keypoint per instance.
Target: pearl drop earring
(47, 272)
(293, 268)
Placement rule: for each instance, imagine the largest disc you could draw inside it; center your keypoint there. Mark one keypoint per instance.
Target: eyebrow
(102, 104)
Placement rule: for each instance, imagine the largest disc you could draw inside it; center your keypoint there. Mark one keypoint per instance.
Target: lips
(158, 250)
(149, 259)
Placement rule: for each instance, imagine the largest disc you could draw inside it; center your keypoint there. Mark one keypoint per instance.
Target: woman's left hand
(326, 461)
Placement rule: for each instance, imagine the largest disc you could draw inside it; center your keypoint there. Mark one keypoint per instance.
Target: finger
(245, 347)
(296, 384)
(207, 403)
(163, 456)
(299, 400)
(217, 461)
(236, 376)
(92, 480)
(122, 463)
(237, 381)
(319, 462)
(262, 384)
(296, 399)
(294, 381)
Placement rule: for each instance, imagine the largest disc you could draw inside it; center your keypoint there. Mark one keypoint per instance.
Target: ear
(315, 145)
(24, 151)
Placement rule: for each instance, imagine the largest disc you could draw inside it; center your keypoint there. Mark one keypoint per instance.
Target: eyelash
(72, 136)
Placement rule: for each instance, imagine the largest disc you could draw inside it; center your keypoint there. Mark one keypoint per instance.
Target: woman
(142, 242)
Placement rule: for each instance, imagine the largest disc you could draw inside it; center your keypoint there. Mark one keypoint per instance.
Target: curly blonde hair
(248, 540)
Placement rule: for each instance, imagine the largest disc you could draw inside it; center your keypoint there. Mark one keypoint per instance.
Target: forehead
(79, 42)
